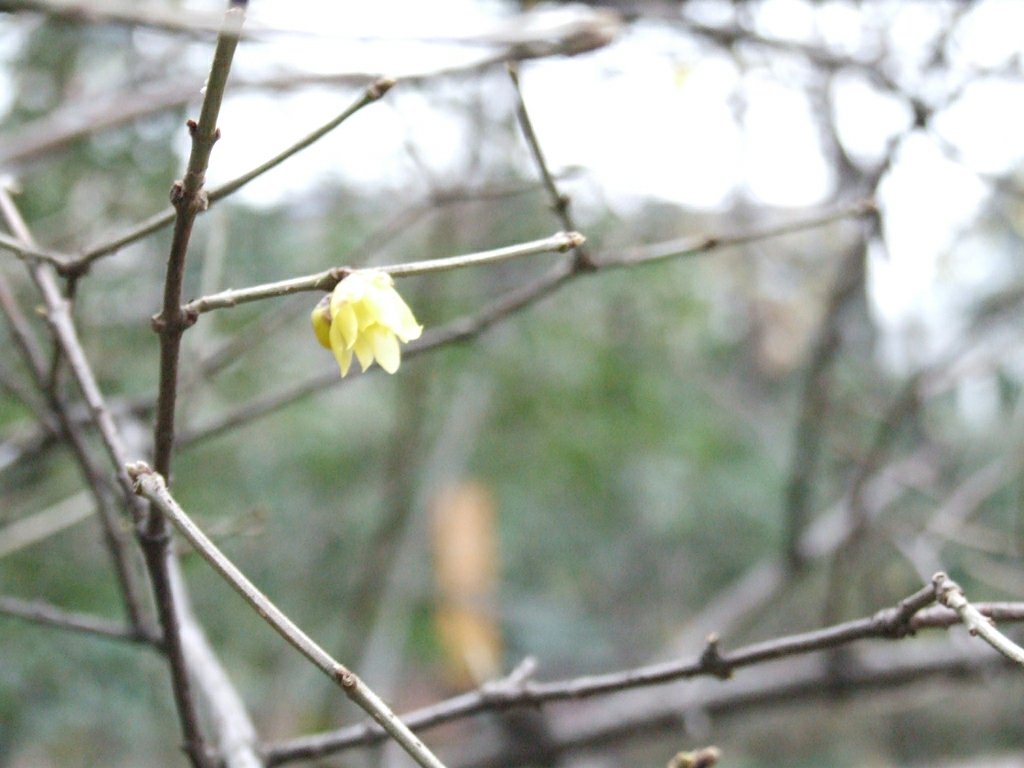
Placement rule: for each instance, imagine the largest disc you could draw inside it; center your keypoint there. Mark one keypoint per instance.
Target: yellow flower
(364, 316)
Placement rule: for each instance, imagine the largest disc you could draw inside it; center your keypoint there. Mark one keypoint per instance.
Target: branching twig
(158, 221)
(951, 595)
(325, 281)
(151, 485)
(898, 621)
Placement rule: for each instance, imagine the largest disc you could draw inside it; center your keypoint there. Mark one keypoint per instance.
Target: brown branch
(188, 198)
(892, 623)
(372, 93)
(176, 20)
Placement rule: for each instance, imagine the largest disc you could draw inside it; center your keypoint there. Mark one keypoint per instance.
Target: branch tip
(136, 471)
(380, 86)
(711, 659)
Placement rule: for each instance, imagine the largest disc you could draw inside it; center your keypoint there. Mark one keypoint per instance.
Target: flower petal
(321, 319)
(385, 348)
(344, 358)
(348, 324)
(364, 350)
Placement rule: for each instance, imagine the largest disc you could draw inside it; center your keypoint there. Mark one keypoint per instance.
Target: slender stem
(325, 281)
(560, 203)
(373, 92)
(158, 221)
(40, 612)
(152, 486)
(693, 246)
(189, 198)
(951, 595)
(31, 252)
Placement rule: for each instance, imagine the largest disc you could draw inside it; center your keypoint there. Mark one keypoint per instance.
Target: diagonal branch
(63, 329)
(372, 93)
(151, 485)
(560, 203)
(951, 595)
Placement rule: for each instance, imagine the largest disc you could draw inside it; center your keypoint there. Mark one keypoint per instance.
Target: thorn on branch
(346, 678)
(512, 685)
(379, 87)
(334, 276)
(177, 192)
(711, 659)
(187, 317)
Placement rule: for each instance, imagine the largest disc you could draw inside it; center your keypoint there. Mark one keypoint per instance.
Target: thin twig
(951, 595)
(40, 612)
(560, 203)
(152, 486)
(27, 252)
(151, 16)
(694, 246)
(325, 281)
(158, 221)
(41, 525)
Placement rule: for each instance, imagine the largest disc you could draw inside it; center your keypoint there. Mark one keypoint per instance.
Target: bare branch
(373, 92)
(59, 318)
(325, 281)
(40, 612)
(892, 623)
(951, 595)
(560, 203)
(151, 485)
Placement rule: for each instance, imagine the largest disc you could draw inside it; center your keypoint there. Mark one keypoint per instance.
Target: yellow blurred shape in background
(465, 545)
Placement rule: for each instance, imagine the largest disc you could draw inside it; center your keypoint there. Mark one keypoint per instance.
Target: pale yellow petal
(347, 323)
(348, 290)
(321, 320)
(364, 350)
(344, 358)
(385, 348)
